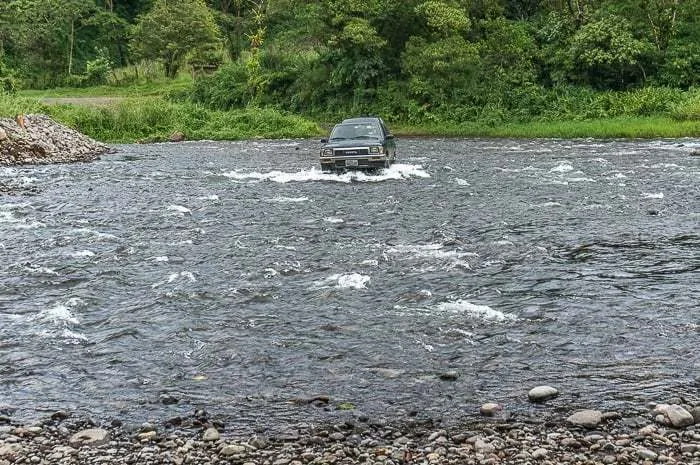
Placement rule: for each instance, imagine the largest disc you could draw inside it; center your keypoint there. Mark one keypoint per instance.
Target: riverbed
(238, 278)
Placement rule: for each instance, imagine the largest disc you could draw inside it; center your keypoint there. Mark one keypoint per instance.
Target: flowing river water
(236, 277)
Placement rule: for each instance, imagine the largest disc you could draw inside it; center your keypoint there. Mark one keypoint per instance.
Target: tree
(171, 30)
(440, 63)
(606, 53)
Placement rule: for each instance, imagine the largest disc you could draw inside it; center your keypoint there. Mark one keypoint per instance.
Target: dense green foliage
(419, 63)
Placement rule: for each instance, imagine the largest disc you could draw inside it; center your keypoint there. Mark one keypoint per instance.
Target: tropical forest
(232, 69)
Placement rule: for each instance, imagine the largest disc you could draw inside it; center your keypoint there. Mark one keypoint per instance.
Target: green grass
(151, 118)
(152, 87)
(635, 128)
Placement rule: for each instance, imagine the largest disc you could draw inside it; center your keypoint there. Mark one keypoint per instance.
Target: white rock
(89, 437)
(542, 393)
(10, 450)
(489, 409)
(211, 434)
(232, 449)
(586, 418)
(679, 417)
(484, 447)
(673, 414)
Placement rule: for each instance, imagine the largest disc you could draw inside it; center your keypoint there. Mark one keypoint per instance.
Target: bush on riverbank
(153, 119)
(562, 113)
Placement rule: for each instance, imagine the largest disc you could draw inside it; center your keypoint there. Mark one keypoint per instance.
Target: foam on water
(281, 199)
(652, 195)
(173, 277)
(56, 322)
(395, 172)
(333, 219)
(563, 167)
(93, 233)
(482, 312)
(83, 254)
(58, 314)
(180, 209)
(345, 281)
(547, 205)
(432, 251)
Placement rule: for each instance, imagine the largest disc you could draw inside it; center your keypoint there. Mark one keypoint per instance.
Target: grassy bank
(651, 127)
(154, 117)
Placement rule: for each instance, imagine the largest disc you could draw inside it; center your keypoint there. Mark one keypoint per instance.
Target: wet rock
(449, 375)
(696, 415)
(176, 136)
(674, 415)
(147, 436)
(3, 135)
(542, 393)
(89, 437)
(490, 409)
(211, 435)
(232, 449)
(586, 418)
(168, 399)
(59, 415)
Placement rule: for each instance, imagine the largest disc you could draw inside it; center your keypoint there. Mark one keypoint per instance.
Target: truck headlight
(376, 150)
(327, 152)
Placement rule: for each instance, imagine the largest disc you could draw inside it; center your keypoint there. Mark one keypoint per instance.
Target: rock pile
(37, 139)
(587, 437)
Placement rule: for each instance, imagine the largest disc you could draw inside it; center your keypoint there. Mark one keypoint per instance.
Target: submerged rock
(39, 140)
(542, 393)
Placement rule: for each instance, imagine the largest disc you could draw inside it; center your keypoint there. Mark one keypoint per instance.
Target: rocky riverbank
(37, 139)
(669, 433)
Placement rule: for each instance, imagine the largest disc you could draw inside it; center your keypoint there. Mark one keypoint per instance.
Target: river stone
(696, 415)
(232, 449)
(679, 417)
(484, 447)
(89, 437)
(542, 393)
(647, 454)
(673, 414)
(177, 136)
(211, 435)
(586, 418)
(489, 409)
(449, 375)
(3, 135)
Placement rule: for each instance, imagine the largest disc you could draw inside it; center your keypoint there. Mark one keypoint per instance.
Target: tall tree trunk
(70, 52)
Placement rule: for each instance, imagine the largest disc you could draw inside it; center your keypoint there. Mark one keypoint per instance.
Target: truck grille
(351, 152)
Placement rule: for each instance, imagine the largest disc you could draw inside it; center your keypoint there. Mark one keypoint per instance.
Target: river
(238, 278)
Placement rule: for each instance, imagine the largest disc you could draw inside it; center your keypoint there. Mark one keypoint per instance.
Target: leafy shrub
(225, 89)
(689, 108)
(97, 70)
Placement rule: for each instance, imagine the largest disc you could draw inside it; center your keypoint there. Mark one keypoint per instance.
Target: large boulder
(37, 139)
